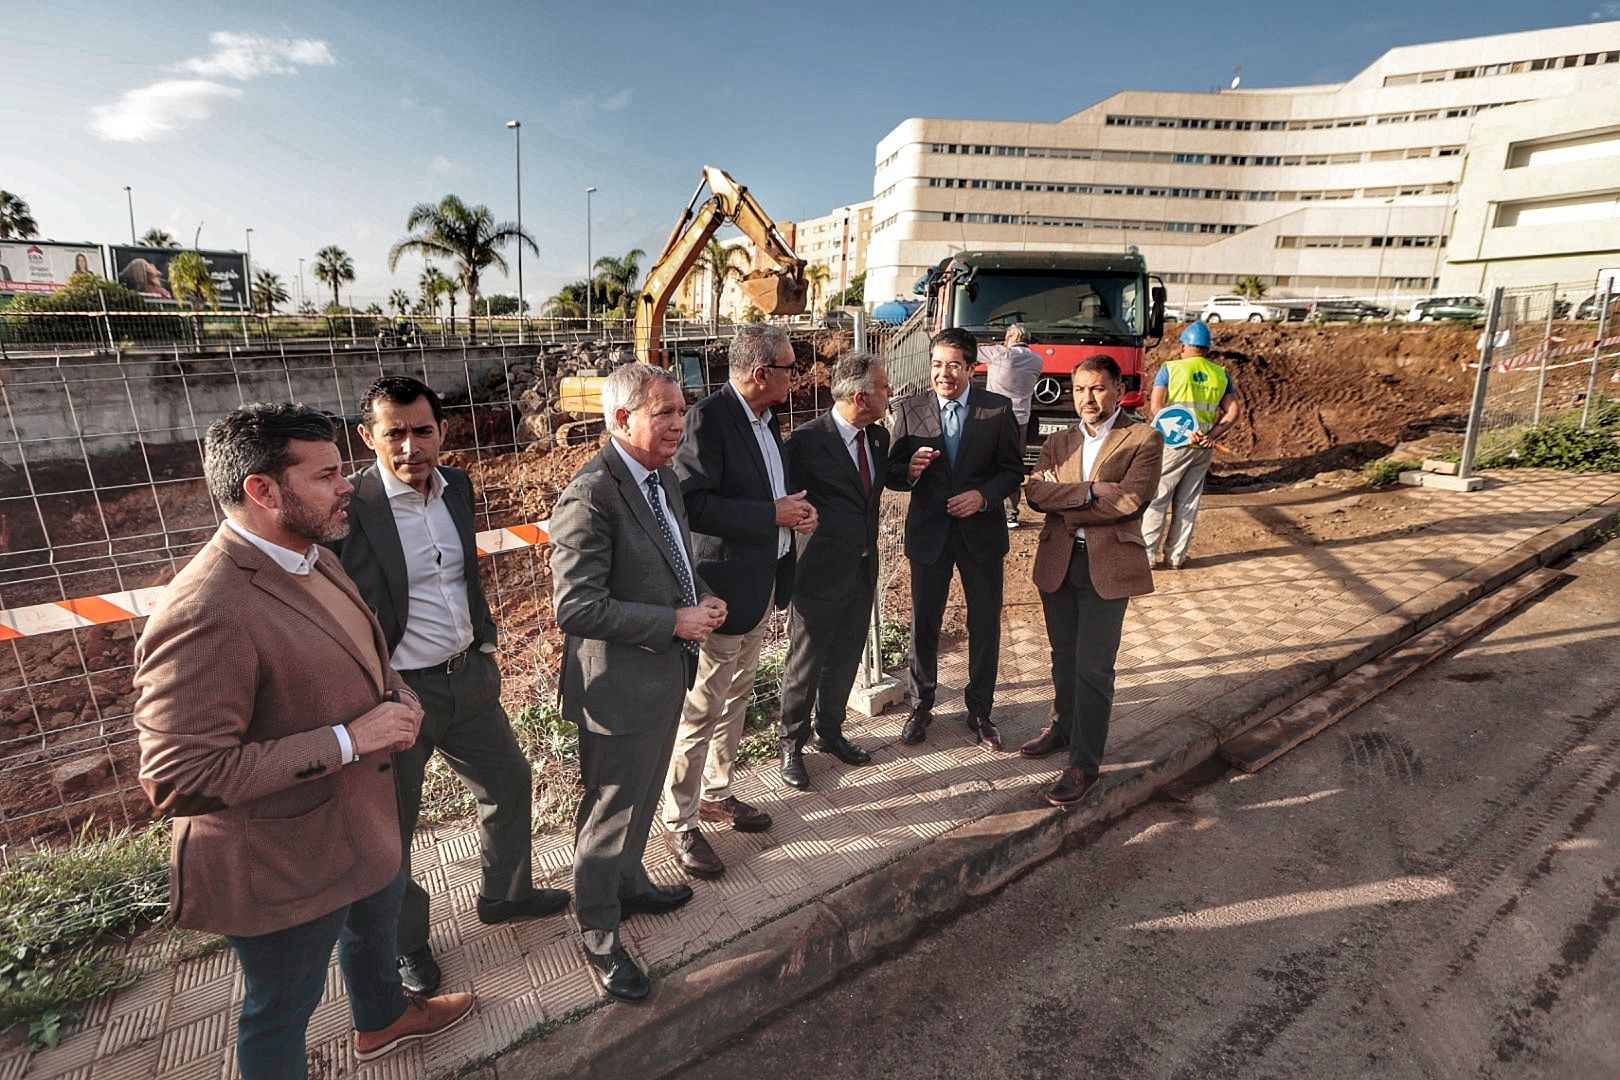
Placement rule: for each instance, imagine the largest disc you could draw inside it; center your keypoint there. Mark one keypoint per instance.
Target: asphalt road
(1428, 889)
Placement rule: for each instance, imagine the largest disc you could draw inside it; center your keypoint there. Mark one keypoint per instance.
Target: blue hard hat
(1196, 335)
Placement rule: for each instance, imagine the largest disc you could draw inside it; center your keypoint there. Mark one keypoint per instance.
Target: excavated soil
(1319, 400)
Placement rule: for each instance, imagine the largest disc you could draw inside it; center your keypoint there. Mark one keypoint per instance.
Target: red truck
(1075, 305)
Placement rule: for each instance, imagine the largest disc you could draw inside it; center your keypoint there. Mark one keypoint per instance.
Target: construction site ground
(1315, 577)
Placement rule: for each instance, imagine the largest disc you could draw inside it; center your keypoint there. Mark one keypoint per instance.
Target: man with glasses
(735, 485)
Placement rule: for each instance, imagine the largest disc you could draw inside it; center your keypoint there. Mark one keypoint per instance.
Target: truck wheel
(1257, 318)
(1212, 318)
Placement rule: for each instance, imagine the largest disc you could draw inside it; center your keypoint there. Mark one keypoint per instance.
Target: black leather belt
(446, 667)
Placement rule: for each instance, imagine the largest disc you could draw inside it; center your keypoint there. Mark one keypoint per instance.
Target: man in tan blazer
(1093, 482)
(267, 719)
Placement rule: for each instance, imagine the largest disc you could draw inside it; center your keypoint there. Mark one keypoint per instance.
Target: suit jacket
(848, 525)
(372, 555)
(989, 458)
(241, 675)
(615, 590)
(732, 509)
(1109, 507)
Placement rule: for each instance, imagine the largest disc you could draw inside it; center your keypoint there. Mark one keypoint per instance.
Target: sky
(317, 123)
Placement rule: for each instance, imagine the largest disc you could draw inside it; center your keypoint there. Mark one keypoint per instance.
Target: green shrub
(1560, 446)
(1387, 471)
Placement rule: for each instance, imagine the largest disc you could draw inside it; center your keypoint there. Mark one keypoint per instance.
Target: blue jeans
(285, 971)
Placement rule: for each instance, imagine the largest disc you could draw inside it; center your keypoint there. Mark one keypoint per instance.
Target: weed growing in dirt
(551, 745)
(1562, 446)
(1387, 471)
(59, 906)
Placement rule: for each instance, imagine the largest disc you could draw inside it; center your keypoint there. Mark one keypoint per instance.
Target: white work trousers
(1181, 485)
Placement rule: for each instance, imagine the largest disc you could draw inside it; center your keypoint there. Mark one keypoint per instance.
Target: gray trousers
(825, 639)
(624, 779)
(1181, 485)
(1084, 631)
(463, 720)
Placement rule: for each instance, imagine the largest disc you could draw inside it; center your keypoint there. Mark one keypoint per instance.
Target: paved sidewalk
(1228, 630)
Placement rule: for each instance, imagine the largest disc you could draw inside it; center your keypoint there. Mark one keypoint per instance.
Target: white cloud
(1607, 11)
(617, 101)
(248, 56)
(443, 166)
(160, 110)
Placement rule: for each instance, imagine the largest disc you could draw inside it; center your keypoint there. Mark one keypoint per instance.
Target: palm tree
(16, 220)
(1250, 286)
(717, 260)
(816, 274)
(191, 283)
(158, 238)
(400, 301)
(468, 234)
(434, 284)
(333, 266)
(569, 303)
(621, 274)
(268, 291)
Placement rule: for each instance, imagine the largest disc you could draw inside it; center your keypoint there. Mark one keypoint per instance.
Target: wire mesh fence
(102, 501)
(1545, 361)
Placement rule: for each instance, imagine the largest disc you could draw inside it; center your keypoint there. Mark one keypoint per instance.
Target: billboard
(43, 266)
(146, 270)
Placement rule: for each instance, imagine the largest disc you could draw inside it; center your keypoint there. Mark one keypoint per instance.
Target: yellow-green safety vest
(1197, 383)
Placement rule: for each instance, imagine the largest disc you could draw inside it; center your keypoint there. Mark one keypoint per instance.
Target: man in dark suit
(635, 614)
(1093, 482)
(267, 715)
(411, 552)
(743, 520)
(839, 457)
(956, 450)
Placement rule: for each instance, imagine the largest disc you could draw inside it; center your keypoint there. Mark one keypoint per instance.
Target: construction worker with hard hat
(1193, 404)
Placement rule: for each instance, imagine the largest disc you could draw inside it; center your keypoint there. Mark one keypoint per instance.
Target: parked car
(838, 319)
(1239, 309)
(1453, 308)
(1180, 312)
(1589, 308)
(1345, 310)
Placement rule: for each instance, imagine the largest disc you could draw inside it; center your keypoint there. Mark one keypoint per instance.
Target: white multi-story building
(837, 241)
(1331, 189)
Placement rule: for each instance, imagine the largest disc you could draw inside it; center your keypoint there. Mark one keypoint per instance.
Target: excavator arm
(775, 292)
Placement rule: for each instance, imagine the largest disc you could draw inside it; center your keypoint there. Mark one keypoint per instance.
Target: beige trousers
(712, 722)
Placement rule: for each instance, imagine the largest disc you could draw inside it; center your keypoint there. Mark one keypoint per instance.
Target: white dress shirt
(1090, 447)
(773, 463)
(639, 473)
(438, 623)
(847, 431)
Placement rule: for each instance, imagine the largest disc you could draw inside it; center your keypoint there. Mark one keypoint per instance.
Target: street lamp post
(590, 273)
(300, 286)
(247, 269)
(130, 198)
(517, 158)
(1383, 247)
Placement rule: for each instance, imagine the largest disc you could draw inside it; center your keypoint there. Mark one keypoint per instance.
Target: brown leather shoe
(1072, 785)
(422, 1017)
(916, 728)
(985, 732)
(734, 812)
(1047, 743)
(694, 854)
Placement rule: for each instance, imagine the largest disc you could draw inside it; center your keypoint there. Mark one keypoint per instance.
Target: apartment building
(1330, 189)
(837, 241)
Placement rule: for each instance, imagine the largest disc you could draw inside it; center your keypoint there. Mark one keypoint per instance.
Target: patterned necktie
(865, 463)
(953, 429)
(688, 593)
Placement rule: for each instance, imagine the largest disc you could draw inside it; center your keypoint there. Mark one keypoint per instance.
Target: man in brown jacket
(1093, 482)
(267, 719)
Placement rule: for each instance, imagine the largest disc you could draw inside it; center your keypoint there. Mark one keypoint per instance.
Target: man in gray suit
(411, 553)
(635, 612)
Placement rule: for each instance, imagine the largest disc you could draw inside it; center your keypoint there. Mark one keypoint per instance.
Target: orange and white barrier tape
(37, 620)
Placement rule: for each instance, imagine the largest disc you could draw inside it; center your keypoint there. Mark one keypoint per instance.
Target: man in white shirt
(411, 552)
(1011, 370)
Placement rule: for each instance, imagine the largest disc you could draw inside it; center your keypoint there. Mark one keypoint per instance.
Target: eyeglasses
(779, 367)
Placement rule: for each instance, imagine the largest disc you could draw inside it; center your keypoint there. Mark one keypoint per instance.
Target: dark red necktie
(865, 465)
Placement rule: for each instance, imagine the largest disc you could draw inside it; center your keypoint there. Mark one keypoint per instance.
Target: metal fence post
(1597, 352)
(1546, 344)
(1476, 410)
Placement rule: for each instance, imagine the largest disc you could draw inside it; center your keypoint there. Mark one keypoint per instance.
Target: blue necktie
(953, 429)
(688, 593)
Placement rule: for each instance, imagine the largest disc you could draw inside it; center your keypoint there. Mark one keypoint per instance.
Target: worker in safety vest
(1192, 405)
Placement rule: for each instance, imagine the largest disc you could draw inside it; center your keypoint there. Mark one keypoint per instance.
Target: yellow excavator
(774, 292)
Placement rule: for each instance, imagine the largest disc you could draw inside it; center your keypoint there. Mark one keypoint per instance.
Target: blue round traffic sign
(1177, 424)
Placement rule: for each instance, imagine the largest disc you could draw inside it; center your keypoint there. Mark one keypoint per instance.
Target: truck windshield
(1054, 305)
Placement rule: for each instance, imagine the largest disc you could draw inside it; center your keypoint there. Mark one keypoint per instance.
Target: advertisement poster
(41, 266)
(146, 270)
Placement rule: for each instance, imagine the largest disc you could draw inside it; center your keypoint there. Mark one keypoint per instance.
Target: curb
(723, 994)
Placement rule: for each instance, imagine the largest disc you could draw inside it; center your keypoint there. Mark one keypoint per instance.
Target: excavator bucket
(776, 292)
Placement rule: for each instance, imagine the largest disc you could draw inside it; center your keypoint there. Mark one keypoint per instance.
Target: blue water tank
(895, 311)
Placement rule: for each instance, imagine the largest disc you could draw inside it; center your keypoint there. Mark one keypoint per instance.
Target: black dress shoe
(985, 732)
(844, 750)
(662, 900)
(794, 773)
(419, 972)
(619, 976)
(916, 728)
(536, 904)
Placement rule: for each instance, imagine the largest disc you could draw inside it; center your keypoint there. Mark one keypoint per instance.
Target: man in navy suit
(956, 448)
(839, 458)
